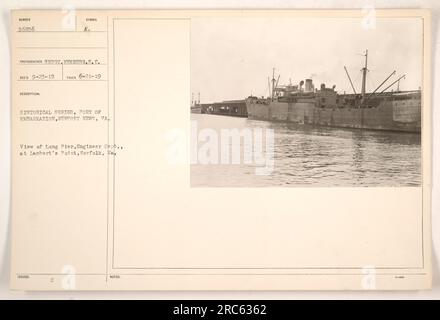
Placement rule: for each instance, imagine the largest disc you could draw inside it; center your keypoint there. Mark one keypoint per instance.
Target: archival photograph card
(221, 150)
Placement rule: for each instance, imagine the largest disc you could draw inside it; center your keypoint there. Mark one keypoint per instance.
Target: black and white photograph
(306, 102)
(204, 151)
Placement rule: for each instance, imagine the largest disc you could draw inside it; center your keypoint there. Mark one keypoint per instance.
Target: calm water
(318, 156)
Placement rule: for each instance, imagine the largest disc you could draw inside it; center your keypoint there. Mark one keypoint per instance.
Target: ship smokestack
(309, 85)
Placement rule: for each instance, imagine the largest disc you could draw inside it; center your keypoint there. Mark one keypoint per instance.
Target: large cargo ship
(302, 103)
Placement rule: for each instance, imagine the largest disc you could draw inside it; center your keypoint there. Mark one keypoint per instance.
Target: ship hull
(389, 115)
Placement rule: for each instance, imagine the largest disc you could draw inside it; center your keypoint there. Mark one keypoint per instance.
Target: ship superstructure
(305, 104)
(196, 106)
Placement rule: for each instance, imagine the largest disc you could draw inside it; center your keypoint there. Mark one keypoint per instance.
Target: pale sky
(232, 57)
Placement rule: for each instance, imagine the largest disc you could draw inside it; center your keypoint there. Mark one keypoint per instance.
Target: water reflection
(319, 156)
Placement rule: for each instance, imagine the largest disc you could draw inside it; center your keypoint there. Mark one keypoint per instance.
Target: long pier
(233, 108)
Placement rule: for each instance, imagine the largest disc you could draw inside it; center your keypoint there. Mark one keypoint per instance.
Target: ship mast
(268, 86)
(372, 94)
(278, 79)
(392, 84)
(352, 86)
(273, 82)
(364, 76)
(398, 83)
